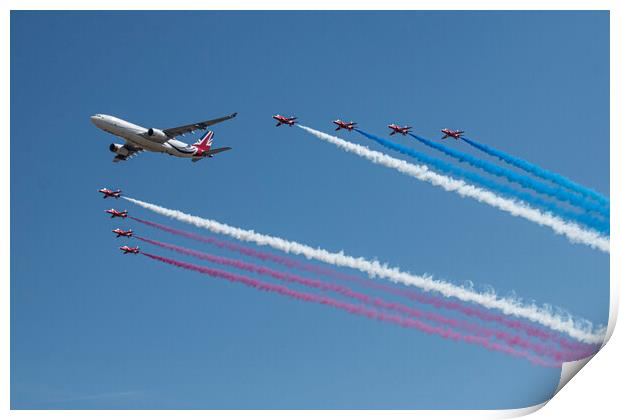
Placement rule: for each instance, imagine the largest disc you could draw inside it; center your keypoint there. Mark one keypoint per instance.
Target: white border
(594, 393)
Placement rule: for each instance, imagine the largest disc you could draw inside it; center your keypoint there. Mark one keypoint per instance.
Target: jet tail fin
(204, 143)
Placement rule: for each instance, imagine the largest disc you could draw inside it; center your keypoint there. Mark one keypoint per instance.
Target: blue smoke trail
(446, 167)
(512, 176)
(538, 171)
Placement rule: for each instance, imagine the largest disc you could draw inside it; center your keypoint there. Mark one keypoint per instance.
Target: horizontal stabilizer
(212, 152)
(215, 151)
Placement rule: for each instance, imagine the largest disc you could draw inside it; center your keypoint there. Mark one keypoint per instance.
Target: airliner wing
(190, 128)
(133, 151)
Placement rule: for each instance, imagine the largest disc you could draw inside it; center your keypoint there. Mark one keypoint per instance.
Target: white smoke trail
(573, 232)
(563, 323)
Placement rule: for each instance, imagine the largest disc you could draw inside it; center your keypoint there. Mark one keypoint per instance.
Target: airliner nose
(95, 118)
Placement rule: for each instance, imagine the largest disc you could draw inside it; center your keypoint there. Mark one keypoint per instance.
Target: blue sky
(93, 329)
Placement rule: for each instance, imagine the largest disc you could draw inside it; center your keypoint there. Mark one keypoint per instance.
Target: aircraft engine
(119, 149)
(157, 134)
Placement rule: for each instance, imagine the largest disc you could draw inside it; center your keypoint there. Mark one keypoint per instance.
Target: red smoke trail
(231, 246)
(511, 339)
(577, 350)
(357, 309)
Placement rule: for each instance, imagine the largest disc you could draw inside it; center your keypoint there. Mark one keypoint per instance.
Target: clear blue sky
(91, 328)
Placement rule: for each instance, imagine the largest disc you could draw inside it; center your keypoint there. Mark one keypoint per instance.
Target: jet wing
(133, 151)
(190, 128)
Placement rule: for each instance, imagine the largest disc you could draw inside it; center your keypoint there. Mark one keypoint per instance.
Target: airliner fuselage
(155, 140)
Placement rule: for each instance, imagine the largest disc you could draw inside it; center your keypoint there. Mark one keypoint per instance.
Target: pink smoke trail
(357, 309)
(231, 246)
(578, 350)
(511, 339)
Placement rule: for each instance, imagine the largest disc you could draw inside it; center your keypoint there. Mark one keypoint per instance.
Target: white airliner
(138, 139)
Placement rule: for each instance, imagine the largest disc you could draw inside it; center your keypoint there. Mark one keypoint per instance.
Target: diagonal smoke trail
(511, 339)
(374, 268)
(261, 255)
(358, 310)
(593, 222)
(538, 171)
(524, 181)
(438, 302)
(573, 232)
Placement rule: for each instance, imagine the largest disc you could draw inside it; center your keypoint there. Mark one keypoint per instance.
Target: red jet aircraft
(129, 250)
(455, 134)
(398, 129)
(121, 232)
(109, 193)
(116, 213)
(284, 120)
(346, 125)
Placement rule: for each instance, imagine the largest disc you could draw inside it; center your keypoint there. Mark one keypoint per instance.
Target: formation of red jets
(350, 126)
(281, 120)
(122, 214)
